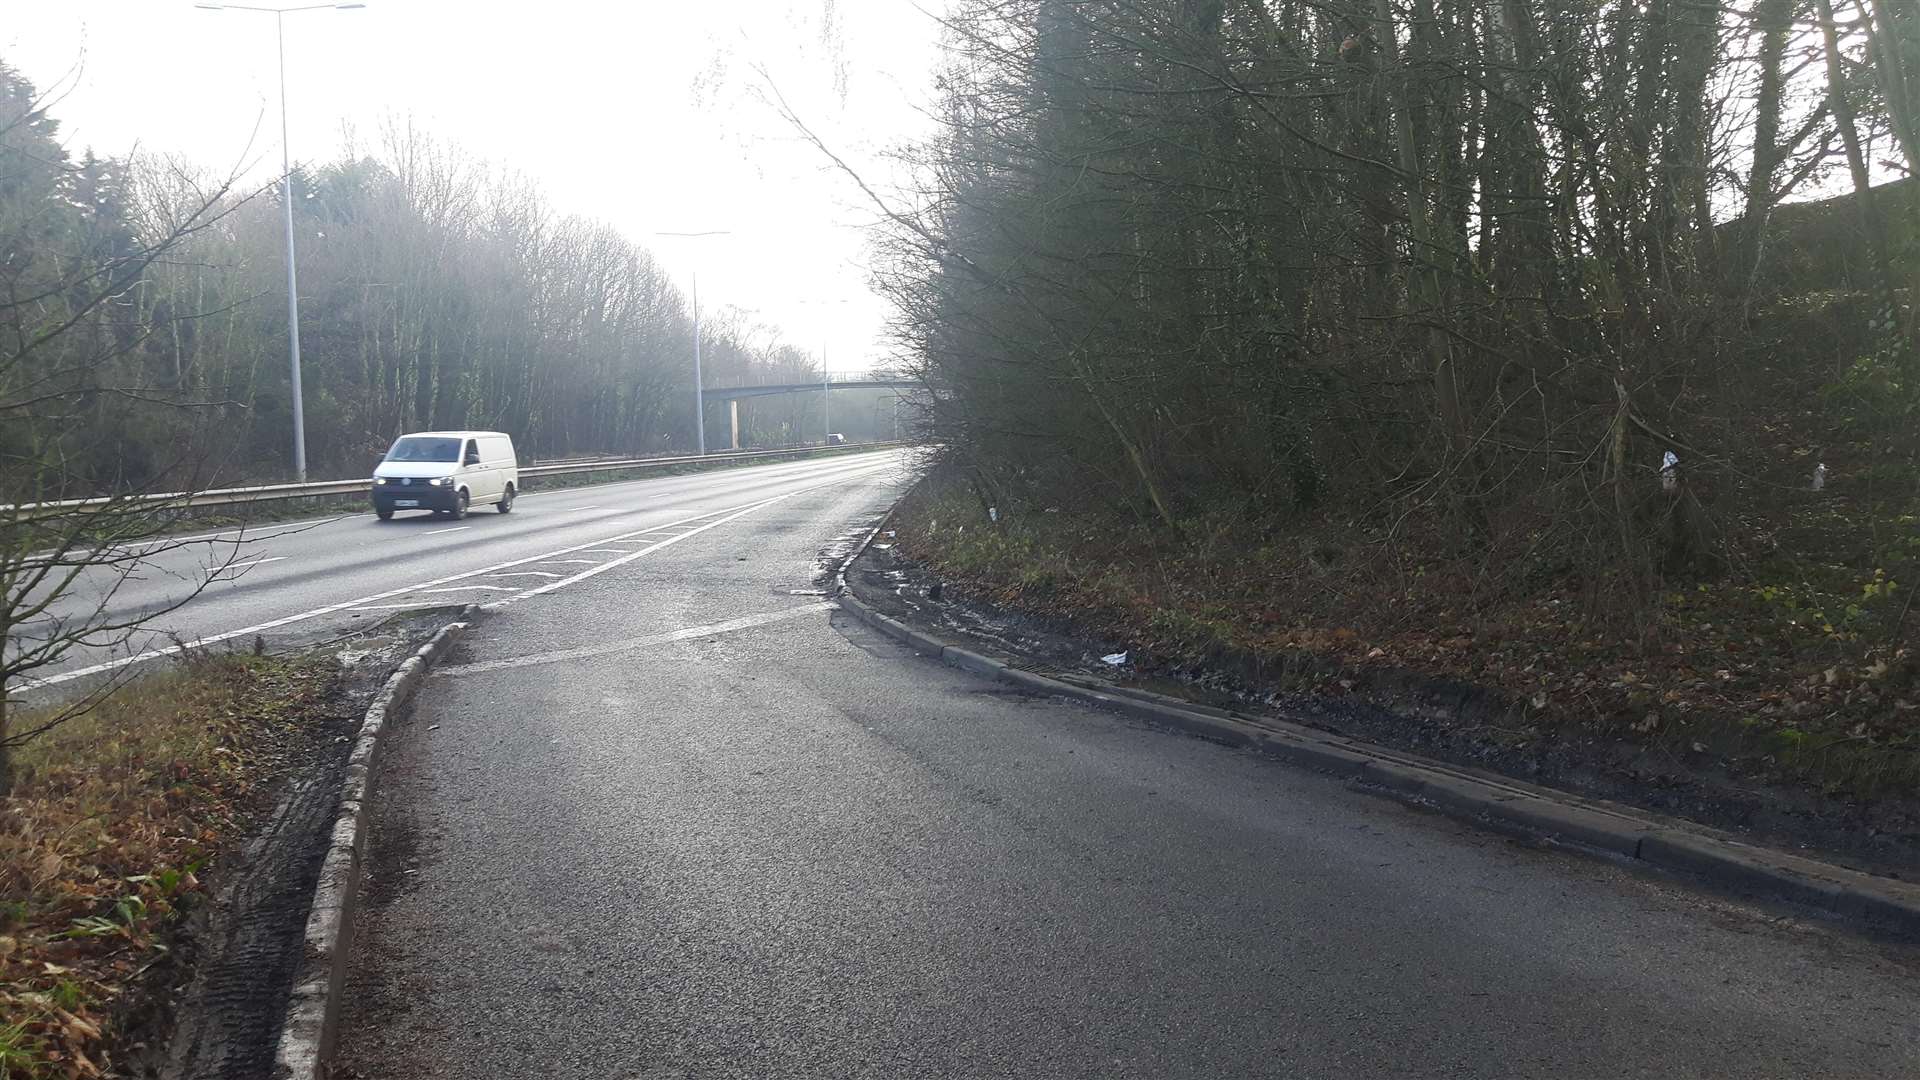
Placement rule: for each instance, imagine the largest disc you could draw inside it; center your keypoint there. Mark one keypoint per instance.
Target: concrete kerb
(1539, 813)
(313, 1010)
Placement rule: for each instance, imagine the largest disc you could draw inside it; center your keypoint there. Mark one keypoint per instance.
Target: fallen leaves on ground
(1787, 672)
(113, 820)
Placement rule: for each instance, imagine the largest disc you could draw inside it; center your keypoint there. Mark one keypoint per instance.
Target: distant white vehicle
(446, 472)
(836, 439)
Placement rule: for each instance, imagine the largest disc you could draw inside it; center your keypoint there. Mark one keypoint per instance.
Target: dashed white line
(527, 573)
(565, 562)
(456, 528)
(571, 509)
(162, 544)
(469, 588)
(281, 526)
(216, 571)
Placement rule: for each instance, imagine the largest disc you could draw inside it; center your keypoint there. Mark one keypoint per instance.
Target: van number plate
(406, 502)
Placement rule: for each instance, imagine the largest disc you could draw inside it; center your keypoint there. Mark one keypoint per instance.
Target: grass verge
(1790, 672)
(113, 821)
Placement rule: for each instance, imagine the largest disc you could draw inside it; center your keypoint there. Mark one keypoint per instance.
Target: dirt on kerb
(214, 1011)
(1436, 718)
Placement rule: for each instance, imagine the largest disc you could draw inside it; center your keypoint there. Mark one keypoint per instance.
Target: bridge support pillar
(733, 420)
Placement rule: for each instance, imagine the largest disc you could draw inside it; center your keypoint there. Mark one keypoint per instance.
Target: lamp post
(699, 389)
(826, 394)
(286, 201)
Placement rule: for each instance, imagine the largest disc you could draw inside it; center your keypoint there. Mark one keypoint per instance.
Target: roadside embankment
(1726, 708)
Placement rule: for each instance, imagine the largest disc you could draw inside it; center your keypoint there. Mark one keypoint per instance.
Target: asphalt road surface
(316, 580)
(684, 819)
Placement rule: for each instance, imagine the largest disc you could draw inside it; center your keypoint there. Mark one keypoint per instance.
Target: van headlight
(443, 481)
(379, 481)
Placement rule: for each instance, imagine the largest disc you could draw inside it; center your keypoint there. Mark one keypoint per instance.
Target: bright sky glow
(647, 115)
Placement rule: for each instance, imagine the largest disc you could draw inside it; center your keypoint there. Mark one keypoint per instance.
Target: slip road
(683, 819)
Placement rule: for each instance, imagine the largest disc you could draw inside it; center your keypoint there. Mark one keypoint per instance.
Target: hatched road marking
(713, 519)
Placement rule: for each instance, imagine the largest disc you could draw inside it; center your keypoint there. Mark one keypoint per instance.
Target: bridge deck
(734, 393)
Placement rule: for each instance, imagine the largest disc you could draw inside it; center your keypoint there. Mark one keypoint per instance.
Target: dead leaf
(78, 1028)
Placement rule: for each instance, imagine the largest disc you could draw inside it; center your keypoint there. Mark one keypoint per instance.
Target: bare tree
(69, 322)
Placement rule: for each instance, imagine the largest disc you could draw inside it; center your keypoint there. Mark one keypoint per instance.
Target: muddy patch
(226, 989)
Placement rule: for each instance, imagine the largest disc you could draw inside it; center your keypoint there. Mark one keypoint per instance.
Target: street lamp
(699, 390)
(826, 395)
(286, 199)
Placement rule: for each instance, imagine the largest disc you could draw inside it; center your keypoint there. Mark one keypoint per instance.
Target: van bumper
(414, 497)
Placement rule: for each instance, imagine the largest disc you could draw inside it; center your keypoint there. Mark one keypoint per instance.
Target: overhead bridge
(733, 395)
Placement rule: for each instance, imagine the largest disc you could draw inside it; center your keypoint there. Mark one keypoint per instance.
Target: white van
(446, 472)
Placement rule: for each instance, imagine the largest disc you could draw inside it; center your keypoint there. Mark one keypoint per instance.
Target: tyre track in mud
(239, 953)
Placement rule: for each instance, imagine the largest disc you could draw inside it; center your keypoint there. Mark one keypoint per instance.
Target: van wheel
(383, 513)
(459, 510)
(505, 505)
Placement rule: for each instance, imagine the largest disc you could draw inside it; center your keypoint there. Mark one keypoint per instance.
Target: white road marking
(400, 607)
(216, 571)
(527, 573)
(163, 544)
(282, 526)
(565, 562)
(606, 551)
(709, 630)
(456, 528)
(571, 509)
(469, 588)
(677, 537)
(361, 602)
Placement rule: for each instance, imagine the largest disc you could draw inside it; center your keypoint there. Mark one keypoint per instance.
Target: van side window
(473, 452)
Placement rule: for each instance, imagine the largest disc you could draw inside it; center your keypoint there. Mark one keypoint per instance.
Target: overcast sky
(646, 114)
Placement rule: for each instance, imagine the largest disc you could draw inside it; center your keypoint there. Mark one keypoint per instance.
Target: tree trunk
(1774, 19)
(1898, 90)
(1872, 224)
(6, 747)
(1423, 275)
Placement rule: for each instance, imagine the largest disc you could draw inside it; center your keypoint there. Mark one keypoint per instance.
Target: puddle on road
(841, 548)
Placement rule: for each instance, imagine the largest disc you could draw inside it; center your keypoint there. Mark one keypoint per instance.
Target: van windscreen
(423, 449)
